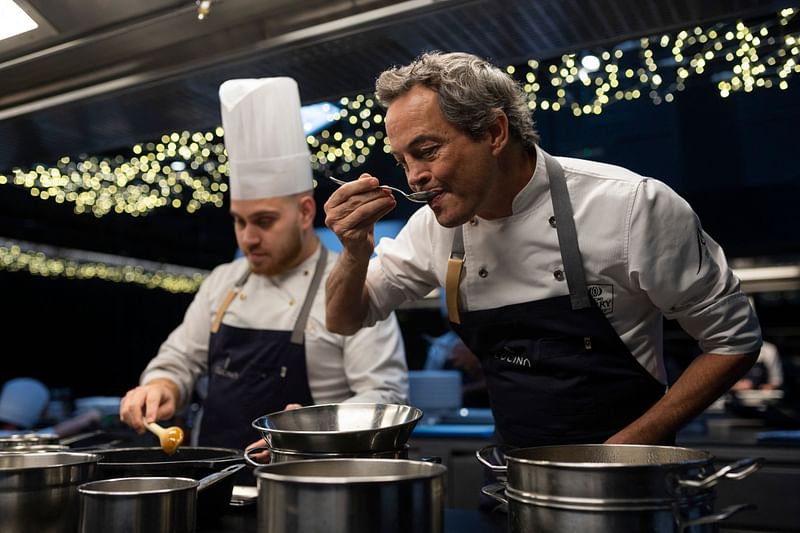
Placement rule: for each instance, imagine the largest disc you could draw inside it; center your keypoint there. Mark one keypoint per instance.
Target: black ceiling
(104, 75)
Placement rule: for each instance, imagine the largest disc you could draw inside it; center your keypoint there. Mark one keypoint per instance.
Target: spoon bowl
(170, 438)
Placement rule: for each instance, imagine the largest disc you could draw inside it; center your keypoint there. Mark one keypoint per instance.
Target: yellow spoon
(170, 438)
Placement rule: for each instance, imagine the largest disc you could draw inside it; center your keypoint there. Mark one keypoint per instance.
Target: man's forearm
(706, 379)
(347, 300)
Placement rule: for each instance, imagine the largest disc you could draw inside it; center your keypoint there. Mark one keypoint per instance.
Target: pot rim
(79, 458)
(434, 470)
(230, 454)
(702, 457)
(89, 487)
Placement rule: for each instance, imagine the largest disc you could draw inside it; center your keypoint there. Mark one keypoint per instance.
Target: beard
(283, 257)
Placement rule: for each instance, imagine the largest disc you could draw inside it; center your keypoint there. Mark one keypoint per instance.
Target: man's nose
(418, 174)
(250, 234)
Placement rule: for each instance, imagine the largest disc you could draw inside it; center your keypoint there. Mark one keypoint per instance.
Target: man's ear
(308, 210)
(498, 133)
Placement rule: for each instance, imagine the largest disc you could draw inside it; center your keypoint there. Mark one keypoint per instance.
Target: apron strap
(567, 235)
(298, 333)
(228, 299)
(455, 266)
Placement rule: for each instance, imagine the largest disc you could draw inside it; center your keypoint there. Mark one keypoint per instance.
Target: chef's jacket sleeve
(183, 356)
(402, 269)
(685, 274)
(375, 363)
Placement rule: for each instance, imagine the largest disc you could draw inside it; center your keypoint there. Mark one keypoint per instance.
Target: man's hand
(150, 402)
(352, 210)
(263, 456)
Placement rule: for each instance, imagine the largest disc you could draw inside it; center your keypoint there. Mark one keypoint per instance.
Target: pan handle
(483, 456)
(738, 470)
(218, 476)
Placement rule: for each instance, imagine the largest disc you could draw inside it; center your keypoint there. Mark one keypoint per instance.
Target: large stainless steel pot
(144, 504)
(600, 487)
(38, 490)
(351, 496)
(340, 427)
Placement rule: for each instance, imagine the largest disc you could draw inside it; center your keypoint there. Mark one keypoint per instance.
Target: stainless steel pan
(340, 427)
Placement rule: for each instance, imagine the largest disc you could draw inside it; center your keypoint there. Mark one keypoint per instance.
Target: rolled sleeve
(684, 273)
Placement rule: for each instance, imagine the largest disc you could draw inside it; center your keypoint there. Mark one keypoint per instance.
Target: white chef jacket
(369, 366)
(643, 250)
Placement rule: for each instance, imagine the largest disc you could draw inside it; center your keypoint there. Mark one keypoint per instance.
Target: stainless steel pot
(144, 504)
(38, 490)
(194, 462)
(351, 496)
(31, 442)
(602, 487)
(340, 427)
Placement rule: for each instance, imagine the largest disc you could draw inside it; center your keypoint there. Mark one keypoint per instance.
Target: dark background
(733, 159)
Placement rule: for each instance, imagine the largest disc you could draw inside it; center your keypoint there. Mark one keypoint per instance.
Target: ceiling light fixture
(14, 20)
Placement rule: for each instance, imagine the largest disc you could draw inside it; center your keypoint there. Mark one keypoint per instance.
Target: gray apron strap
(567, 235)
(298, 333)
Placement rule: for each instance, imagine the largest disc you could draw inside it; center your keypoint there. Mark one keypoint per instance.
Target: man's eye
(429, 153)
(401, 164)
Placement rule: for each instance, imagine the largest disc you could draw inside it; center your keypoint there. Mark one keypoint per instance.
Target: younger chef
(256, 327)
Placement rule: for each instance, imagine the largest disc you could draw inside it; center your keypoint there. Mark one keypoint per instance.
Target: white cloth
(642, 247)
(267, 149)
(369, 366)
(770, 358)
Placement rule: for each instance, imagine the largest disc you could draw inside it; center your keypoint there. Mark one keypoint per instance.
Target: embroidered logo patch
(603, 295)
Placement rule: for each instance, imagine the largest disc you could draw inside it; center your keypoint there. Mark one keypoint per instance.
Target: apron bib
(556, 371)
(253, 372)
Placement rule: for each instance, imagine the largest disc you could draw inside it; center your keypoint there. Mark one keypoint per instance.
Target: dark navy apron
(556, 371)
(254, 372)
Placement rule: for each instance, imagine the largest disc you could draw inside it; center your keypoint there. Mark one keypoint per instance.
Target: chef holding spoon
(256, 327)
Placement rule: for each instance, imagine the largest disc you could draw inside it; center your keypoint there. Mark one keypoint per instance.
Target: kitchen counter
(245, 520)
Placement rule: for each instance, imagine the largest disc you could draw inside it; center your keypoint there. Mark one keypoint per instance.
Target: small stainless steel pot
(351, 496)
(38, 490)
(144, 504)
(194, 462)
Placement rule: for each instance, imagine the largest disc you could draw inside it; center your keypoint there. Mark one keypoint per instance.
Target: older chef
(257, 325)
(557, 271)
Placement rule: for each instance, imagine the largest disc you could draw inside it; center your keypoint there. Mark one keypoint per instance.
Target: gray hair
(471, 92)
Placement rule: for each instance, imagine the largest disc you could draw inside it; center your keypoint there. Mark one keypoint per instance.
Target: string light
(53, 262)
(187, 171)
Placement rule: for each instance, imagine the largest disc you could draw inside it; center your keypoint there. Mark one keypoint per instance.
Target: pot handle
(738, 470)
(483, 456)
(717, 517)
(494, 491)
(257, 449)
(217, 476)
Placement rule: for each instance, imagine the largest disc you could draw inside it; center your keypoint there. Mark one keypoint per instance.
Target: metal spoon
(170, 438)
(421, 197)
